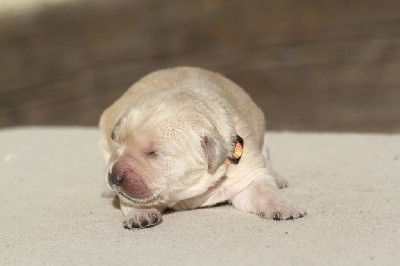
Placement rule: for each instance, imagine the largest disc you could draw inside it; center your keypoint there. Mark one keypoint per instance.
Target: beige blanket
(52, 212)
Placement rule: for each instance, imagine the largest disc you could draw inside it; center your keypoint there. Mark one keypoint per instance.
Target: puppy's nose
(115, 179)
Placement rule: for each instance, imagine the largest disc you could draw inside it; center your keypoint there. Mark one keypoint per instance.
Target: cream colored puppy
(185, 138)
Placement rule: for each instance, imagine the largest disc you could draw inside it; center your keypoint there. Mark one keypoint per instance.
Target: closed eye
(153, 154)
(157, 153)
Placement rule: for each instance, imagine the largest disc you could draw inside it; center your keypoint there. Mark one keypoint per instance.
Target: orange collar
(237, 152)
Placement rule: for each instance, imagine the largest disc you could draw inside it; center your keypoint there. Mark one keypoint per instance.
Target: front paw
(280, 208)
(142, 218)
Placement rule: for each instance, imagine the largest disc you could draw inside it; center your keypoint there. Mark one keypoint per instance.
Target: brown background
(310, 65)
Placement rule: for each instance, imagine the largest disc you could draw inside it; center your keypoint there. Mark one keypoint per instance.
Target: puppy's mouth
(147, 200)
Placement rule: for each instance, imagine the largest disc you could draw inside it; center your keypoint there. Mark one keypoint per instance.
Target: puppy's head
(166, 150)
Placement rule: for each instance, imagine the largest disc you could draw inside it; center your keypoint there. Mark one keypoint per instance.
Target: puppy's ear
(116, 132)
(214, 151)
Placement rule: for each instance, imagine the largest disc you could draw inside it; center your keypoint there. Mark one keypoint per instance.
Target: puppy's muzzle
(124, 178)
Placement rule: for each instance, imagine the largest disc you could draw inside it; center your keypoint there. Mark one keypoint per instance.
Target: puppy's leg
(262, 197)
(140, 217)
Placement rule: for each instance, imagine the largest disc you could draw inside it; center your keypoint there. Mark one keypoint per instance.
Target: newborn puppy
(185, 138)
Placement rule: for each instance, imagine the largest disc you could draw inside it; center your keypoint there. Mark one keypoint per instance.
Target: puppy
(185, 138)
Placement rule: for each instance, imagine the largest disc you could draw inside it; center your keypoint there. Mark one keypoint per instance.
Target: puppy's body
(166, 141)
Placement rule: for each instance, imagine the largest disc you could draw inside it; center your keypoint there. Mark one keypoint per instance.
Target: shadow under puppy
(184, 138)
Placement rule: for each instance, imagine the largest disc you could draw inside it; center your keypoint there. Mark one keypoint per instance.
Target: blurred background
(310, 65)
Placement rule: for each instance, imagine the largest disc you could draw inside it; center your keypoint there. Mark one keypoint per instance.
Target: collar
(237, 152)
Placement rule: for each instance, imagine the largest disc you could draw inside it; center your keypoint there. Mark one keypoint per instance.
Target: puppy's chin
(154, 198)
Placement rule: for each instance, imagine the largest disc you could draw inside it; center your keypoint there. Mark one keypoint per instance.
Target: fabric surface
(52, 212)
